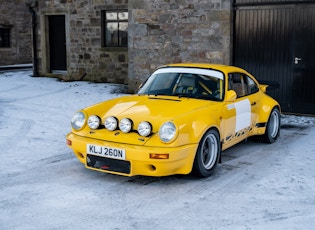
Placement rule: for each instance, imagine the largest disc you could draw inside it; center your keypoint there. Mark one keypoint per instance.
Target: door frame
(44, 45)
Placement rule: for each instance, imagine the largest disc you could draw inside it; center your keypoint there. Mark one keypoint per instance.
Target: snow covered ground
(43, 186)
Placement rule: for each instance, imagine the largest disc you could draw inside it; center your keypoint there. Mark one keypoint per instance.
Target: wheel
(208, 154)
(273, 127)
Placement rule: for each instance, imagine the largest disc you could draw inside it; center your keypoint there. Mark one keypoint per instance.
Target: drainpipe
(31, 7)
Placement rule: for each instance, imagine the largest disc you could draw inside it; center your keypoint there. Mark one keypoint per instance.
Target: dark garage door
(275, 41)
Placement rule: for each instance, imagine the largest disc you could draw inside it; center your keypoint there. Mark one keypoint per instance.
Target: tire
(208, 154)
(273, 127)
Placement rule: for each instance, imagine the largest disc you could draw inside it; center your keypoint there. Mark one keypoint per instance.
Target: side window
(236, 83)
(251, 86)
(242, 84)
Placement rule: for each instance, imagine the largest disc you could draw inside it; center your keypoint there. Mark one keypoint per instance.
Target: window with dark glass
(242, 84)
(115, 28)
(4, 37)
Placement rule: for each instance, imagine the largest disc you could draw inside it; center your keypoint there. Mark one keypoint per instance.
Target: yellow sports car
(180, 120)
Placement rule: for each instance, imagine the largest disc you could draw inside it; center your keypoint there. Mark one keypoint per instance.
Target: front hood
(138, 108)
(154, 108)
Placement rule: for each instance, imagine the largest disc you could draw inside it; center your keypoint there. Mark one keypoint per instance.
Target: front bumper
(137, 158)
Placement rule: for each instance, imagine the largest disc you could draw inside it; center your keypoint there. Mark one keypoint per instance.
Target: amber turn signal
(159, 155)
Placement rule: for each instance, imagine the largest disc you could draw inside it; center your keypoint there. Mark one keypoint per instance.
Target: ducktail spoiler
(272, 85)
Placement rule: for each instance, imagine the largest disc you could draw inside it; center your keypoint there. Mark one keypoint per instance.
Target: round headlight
(78, 120)
(111, 123)
(167, 132)
(144, 129)
(94, 122)
(125, 125)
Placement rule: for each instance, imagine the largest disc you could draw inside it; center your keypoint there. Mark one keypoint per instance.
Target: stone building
(121, 41)
(15, 33)
(83, 40)
(172, 31)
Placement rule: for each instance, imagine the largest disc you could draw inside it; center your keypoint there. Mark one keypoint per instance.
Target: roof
(221, 67)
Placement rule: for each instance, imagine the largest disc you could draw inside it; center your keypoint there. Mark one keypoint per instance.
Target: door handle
(253, 103)
(296, 60)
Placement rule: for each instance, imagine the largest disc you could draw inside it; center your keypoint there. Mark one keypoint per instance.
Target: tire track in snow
(11, 139)
(13, 88)
(38, 95)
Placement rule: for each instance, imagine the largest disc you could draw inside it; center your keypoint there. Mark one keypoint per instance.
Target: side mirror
(231, 96)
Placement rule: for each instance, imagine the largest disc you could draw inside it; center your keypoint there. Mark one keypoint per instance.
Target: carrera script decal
(238, 134)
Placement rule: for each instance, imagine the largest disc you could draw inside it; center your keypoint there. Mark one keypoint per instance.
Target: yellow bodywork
(192, 117)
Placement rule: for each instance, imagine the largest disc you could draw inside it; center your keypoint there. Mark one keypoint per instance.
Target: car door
(252, 93)
(239, 115)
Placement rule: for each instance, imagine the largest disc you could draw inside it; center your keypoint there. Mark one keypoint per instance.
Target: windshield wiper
(183, 95)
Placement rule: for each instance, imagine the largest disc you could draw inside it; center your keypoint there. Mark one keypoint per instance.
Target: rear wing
(269, 85)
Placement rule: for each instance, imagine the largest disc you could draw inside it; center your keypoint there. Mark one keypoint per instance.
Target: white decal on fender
(230, 106)
(243, 114)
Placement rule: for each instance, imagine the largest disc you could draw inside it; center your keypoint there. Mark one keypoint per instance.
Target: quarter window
(242, 84)
(115, 28)
(4, 37)
(251, 85)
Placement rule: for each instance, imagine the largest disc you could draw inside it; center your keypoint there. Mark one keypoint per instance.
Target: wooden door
(57, 43)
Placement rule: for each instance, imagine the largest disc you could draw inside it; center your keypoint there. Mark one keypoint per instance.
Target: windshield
(185, 82)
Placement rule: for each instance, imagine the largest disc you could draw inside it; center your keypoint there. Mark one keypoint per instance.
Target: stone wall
(86, 58)
(15, 15)
(160, 32)
(173, 31)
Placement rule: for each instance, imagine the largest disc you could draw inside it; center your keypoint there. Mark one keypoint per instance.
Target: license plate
(105, 151)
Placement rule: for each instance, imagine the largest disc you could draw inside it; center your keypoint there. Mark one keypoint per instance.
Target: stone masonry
(159, 32)
(86, 58)
(173, 31)
(15, 16)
